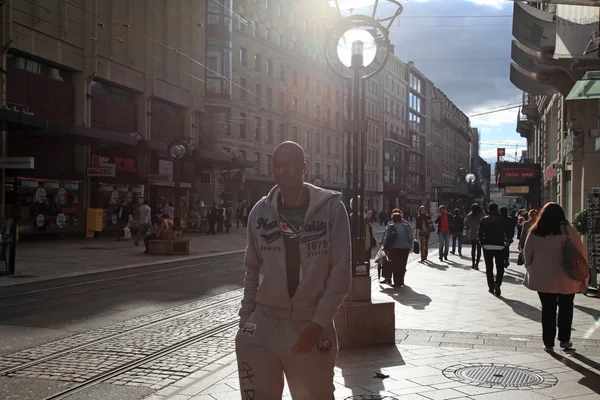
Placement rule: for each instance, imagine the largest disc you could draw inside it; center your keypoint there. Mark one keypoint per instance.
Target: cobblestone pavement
(446, 323)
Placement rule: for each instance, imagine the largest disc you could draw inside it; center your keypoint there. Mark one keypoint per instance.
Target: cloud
(496, 119)
(499, 4)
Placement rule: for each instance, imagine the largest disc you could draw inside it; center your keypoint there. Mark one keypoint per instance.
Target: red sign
(519, 173)
(120, 164)
(501, 152)
(159, 178)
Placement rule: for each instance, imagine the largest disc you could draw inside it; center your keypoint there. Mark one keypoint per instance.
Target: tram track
(114, 372)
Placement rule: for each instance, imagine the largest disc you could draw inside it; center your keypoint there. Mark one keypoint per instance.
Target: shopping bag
(126, 233)
(520, 259)
(386, 269)
(416, 247)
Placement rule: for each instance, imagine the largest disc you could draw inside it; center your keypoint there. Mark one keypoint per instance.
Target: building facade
(109, 87)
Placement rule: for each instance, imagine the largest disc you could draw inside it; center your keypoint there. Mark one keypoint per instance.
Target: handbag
(574, 263)
(430, 226)
(520, 259)
(416, 247)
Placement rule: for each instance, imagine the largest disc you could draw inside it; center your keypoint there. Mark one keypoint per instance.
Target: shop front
(519, 175)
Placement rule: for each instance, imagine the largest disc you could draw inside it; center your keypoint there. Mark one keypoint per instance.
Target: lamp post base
(362, 322)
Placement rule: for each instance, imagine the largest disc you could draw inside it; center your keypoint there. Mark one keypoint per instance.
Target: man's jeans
(444, 243)
(141, 233)
(456, 237)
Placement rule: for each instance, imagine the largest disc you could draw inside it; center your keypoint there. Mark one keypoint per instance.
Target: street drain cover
(370, 397)
(500, 376)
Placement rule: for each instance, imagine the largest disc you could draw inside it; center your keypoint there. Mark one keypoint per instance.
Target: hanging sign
(159, 178)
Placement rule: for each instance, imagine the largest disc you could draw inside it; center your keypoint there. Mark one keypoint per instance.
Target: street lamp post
(177, 150)
(361, 46)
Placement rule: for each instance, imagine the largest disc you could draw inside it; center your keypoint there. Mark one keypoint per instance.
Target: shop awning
(85, 135)
(18, 120)
(586, 88)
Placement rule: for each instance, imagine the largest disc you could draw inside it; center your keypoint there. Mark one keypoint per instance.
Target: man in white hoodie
(297, 274)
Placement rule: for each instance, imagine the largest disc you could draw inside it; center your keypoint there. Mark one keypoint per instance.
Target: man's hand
(308, 339)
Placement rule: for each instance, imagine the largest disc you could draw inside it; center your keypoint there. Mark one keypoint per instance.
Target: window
(337, 172)
(295, 137)
(257, 62)
(336, 147)
(307, 82)
(294, 45)
(270, 67)
(282, 73)
(243, 57)
(328, 145)
(281, 98)
(257, 129)
(267, 34)
(279, 11)
(337, 119)
(243, 125)
(295, 104)
(306, 141)
(282, 135)
(257, 167)
(306, 109)
(295, 77)
(318, 168)
(329, 116)
(242, 23)
(258, 93)
(243, 154)
(279, 39)
(243, 89)
(269, 165)
(269, 131)
(270, 97)
(318, 112)
(293, 17)
(328, 172)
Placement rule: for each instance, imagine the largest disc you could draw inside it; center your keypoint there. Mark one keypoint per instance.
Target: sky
(463, 47)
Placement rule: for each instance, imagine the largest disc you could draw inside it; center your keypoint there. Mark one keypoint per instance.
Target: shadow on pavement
(594, 313)
(362, 368)
(590, 379)
(431, 264)
(408, 297)
(524, 309)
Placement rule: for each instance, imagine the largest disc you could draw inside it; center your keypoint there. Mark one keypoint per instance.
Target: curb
(7, 283)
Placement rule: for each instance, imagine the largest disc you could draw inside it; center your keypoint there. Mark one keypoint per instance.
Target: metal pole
(361, 163)
(357, 211)
(349, 131)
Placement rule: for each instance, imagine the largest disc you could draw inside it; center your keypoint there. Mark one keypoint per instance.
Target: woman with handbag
(398, 240)
(424, 226)
(472, 222)
(557, 268)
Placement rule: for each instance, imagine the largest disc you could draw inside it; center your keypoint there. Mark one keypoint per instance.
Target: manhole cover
(500, 376)
(370, 397)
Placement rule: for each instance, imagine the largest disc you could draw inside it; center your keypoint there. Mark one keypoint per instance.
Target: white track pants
(263, 347)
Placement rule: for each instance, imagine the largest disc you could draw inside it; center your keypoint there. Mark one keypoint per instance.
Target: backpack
(391, 239)
(574, 263)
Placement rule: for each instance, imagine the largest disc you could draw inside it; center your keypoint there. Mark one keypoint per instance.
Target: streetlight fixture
(357, 48)
(361, 46)
(176, 151)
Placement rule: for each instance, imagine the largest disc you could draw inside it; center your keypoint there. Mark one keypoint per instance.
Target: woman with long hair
(546, 273)
(401, 247)
(424, 227)
(472, 222)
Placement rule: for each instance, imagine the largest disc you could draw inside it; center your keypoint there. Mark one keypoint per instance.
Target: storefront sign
(17, 163)
(71, 185)
(29, 184)
(519, 173)
(106, 188)
(120, 164)
(101, 171)
(516, 190)
(159, 178)
(51, 185)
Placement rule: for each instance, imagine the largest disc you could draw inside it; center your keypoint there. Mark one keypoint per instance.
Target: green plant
(580, 222)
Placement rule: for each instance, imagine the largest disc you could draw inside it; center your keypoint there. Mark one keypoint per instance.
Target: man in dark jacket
(492, 237)
(458, 226)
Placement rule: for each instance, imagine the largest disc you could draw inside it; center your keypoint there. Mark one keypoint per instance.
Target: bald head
(289, 165)
(293, 150)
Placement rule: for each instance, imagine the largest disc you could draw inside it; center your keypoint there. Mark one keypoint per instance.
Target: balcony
(525, 126)
(529, 108)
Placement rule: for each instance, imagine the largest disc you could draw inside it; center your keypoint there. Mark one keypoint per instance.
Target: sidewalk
(43, 260)
(450, 332)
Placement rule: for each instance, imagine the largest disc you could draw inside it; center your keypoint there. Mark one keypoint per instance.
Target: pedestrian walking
(144, 222)
(458, 228)
(297, 276)
(239, 214)
(424, 227)
(509, 232)
(211, 218)
(472, 222)
(493, 240)
(123, 220)
(400, 248)
(444, 223)
(546, 273)
(531, 219)
(228, 217)
(220, 218)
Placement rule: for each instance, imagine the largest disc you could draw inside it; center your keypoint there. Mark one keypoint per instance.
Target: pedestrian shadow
(454, 264)
(408, 297)
(431, 264)
(514, 280)
(590, 379)
(594, 313)
(361, 368)
(523, 309)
